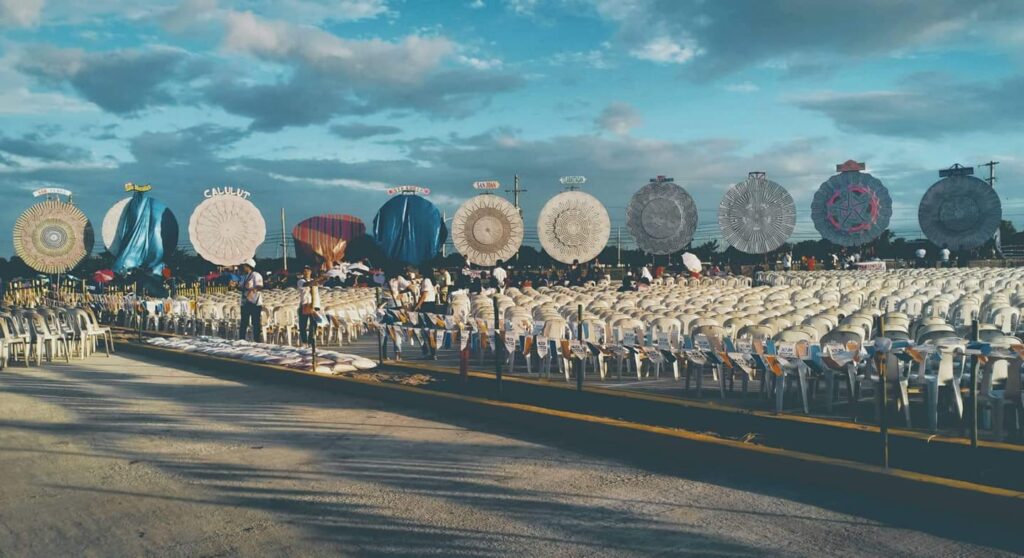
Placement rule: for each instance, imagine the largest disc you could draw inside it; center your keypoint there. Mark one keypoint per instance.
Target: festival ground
(124, 456)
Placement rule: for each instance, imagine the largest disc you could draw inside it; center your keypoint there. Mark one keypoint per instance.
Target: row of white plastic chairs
(30, 334)
(813, 307)
(344, 310)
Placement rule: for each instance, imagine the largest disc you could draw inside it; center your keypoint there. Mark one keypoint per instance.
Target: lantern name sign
(572, 180)
(408, 189)
(51, 192)
(487, 185)
(226, 191)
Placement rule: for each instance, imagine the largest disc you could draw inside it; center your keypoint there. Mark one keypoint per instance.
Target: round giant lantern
(852, 207)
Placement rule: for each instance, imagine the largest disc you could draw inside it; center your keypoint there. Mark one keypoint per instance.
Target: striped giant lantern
(323, 239)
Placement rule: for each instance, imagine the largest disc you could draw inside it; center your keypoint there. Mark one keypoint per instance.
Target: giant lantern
(408, 228)
(960, 211)
(323, 239)
(662, 217)
(851, 208)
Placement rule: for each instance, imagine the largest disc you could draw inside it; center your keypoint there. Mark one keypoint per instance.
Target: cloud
(618, 118)
(733, 35)
(331, 75)
(664, 49)
(926, 106)
(20, 13)
(373, 60)
(303, 75)
(35, 146)
(121, 81)
(196, 144)
(358, 130)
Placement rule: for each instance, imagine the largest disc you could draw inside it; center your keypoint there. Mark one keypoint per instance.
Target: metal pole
(142, 312)
(618, 246)
(444, 245)
(498, 344)
(975, 370)
(883, 426)
(284, 244)
(579, 337)
(312, 344)
(380, 337)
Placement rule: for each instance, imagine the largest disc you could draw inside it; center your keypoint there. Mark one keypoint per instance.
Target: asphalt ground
(128, 457)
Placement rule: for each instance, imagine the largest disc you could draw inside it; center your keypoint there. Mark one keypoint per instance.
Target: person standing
(500, 275)
(944, 256)
(787, 261)
(252, 301)
(426, 302)
(920, 254)
(308, 305)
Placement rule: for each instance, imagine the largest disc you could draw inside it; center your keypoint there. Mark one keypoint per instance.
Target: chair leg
(780, 391)
(905, 400)
(932, 396)
(802, 377)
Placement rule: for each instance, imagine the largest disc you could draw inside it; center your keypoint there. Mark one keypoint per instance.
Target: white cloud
(619, 118)
(522, 7)
(20, 13)
(480, 63)
(476, 4)
(374, 60)
(22, 100)
(666, 50)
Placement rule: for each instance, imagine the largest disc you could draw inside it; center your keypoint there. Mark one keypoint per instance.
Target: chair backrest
(843, 334)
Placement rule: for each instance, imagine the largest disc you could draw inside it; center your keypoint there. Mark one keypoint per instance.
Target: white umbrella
(692, 262)
(336, 272)
(358, 267)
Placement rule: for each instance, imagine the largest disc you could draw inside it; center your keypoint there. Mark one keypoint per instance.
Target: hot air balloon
(324, 238)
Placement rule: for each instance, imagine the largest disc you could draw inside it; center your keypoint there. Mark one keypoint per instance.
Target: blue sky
(318, 106)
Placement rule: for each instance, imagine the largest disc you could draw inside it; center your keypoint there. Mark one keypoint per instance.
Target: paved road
(118, 457)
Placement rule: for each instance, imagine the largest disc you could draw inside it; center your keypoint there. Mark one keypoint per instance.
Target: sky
(318, 106)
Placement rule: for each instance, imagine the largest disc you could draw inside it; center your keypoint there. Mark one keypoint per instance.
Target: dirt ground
(126, 457)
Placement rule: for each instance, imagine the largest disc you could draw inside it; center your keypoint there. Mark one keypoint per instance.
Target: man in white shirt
(944, 255)
(252, 301)
(645, 273)
(397, 286)
(787, 261)
(920, 254)
(426, 302)
(500, 275)
(307, 305)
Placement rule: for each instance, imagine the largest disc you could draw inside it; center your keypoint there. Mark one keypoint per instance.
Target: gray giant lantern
(662, 217)
(960, 211)
(757, 215)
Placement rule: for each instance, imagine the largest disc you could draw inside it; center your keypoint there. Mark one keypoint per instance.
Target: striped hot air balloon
(324, 238)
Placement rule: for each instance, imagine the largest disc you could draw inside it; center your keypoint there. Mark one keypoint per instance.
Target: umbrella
(211, 276)
(336, 272)
(103, 276)
(692, 262)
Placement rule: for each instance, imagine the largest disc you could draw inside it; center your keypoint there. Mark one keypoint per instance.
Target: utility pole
(619, 247)
(444, 245)
(515, 191)
(991, 172)
(284, 244)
